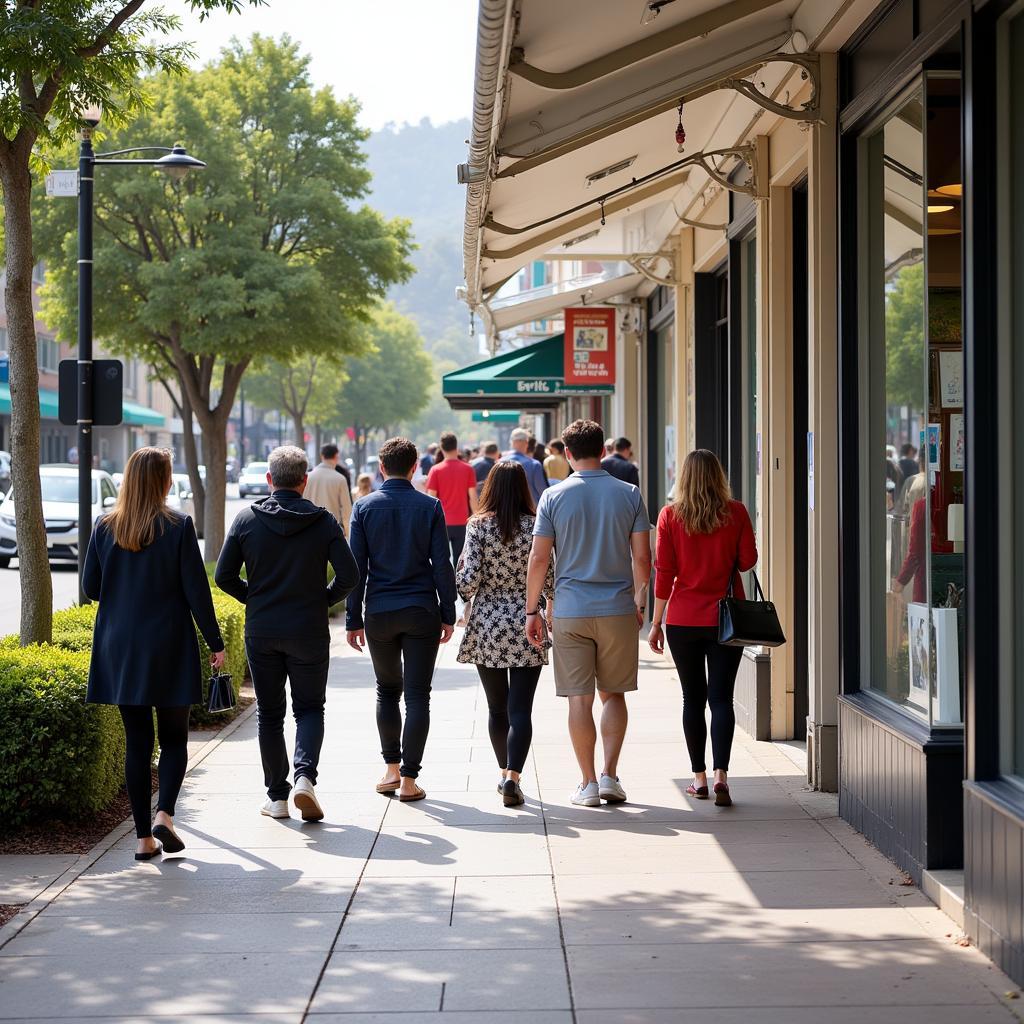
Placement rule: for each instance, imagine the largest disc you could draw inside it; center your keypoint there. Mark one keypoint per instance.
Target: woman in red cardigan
(704, 537)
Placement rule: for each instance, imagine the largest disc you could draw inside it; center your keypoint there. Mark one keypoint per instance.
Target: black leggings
(510, 694)
(172, 728)
(692, 647)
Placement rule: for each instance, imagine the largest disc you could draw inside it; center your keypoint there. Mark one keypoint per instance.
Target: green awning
(140, 415)
(527, 378)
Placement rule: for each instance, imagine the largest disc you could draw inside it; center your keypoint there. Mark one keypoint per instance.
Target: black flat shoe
(168, 839)
(152, 853)
(722, 796)
(511, 794)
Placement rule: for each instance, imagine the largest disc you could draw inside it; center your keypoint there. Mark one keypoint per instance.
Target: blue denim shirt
(400, 544)
(534, 473)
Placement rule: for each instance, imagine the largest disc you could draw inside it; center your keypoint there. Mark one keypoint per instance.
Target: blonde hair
(141, 511)
(702, 493)
(364, 484)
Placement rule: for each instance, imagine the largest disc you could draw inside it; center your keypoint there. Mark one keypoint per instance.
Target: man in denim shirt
(407, 583)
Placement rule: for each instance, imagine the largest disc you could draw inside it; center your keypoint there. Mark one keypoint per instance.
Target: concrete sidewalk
(661, 910)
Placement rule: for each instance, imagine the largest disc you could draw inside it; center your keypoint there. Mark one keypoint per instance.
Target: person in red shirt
(454, 482)
(704, 539)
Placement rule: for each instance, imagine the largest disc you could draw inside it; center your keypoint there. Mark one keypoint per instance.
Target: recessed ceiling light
(940, 207)
(615, 168)
(955, 191)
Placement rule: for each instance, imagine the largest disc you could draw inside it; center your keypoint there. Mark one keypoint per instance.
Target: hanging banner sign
(590, 345)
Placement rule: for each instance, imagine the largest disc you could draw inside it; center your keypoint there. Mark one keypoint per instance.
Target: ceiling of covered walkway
(574, 149)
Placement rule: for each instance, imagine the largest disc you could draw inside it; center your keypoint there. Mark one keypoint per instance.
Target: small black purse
(221, 696)
(744, 623)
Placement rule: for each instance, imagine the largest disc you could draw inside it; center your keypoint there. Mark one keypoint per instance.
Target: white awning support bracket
(643, 264)
(809, 111)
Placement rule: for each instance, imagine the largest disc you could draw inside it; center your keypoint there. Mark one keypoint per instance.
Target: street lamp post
(176, 163)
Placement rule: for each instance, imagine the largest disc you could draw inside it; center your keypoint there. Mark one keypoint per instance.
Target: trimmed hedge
(58, 755)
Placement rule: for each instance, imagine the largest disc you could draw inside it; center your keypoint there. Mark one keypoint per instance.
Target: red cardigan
(693, 569)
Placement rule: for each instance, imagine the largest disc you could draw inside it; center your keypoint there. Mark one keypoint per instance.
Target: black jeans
(457, 539)
(692, 647)
(403, 647)
(510, 693)
(172, 728)
(304, 664)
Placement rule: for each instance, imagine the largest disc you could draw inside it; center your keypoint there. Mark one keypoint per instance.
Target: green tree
(55, 57)
(264, 255)
(904, 338)
(308, 389)
(389, 385)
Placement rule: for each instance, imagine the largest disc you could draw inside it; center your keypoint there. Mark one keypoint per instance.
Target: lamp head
(91, 113)
(178, 163)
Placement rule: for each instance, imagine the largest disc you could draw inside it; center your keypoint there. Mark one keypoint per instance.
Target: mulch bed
(7, 911)
(57, 836)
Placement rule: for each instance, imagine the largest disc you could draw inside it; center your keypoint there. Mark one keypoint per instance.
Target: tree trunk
(215, 445)
(192, 464)
(33, 559)
(300, 430)
(359, 444)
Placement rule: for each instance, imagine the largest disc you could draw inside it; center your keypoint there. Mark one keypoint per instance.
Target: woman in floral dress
(492, 574)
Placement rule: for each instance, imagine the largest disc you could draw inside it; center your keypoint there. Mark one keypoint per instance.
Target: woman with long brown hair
(704, 540)
(492, 574)
(145, 569)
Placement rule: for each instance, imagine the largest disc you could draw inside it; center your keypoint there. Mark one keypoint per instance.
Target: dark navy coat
(144, 648)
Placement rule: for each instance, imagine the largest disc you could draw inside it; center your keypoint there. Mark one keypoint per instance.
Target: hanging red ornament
(680, 130)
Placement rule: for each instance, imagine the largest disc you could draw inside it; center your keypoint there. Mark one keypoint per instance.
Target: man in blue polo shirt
(599, 529)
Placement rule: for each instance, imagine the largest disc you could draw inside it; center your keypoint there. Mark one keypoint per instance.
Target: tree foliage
(267, 254)
(55, 57)
(904, 338)
(390, 385)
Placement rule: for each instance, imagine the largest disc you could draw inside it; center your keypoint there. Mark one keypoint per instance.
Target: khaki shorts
(601, 651)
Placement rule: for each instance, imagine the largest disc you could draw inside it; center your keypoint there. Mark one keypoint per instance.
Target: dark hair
(328, 451)
(506, 496)
(540, 452)
(908, 451)
(531, 443)
(584, 439)
(492, 449)
(397, 456)
(557, 447)
(622, 443)
(449, 442)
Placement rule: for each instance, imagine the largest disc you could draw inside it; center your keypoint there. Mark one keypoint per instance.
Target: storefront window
(913, 443)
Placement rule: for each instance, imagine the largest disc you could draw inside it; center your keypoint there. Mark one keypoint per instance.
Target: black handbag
(221, 696)
(744, 623)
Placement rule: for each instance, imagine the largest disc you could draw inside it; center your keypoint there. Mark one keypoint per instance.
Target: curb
(31, 910)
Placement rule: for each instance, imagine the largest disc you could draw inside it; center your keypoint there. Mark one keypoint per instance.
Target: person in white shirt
(329, 489)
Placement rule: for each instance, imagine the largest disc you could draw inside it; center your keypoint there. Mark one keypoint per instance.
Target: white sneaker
(304, 795)
(611, 789)
(275, 808)
(587, 795)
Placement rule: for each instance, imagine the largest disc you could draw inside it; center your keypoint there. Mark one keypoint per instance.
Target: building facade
(809, 230)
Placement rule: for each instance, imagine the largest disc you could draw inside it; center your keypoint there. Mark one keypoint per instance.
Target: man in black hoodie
(286, 544)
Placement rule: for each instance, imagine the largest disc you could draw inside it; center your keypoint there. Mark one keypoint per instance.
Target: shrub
(73, 627)
(58, 755)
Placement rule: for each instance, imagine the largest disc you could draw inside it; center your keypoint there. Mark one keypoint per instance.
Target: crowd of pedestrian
(548, 546)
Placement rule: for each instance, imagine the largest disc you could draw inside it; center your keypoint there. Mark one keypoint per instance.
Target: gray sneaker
(587, 795)
(611, 790)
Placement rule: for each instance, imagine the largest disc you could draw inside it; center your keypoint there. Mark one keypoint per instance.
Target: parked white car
(180, 495)
(253, 479)
(60, 512)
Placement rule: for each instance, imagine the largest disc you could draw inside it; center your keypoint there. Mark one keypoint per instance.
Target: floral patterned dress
(493, 575)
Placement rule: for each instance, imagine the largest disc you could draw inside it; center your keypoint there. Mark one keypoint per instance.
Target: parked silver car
(60, 512)
(180, 495)
(253, 479)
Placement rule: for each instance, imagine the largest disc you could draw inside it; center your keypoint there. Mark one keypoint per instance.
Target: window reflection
(912, 269)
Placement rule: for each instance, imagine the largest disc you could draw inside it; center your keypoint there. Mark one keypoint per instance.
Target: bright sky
(403, 59)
